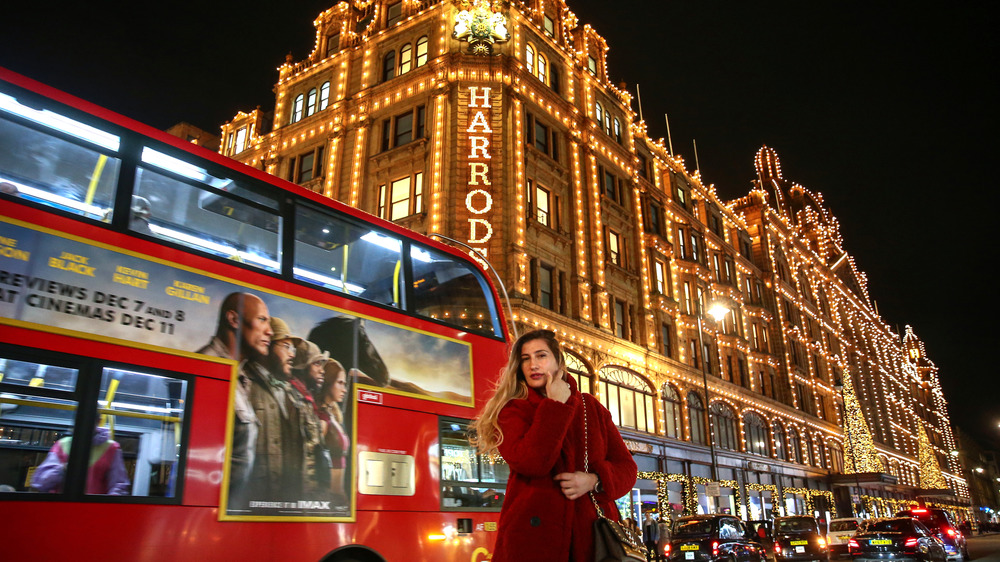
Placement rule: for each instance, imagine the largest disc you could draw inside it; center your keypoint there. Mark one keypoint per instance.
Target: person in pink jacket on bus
(105, 473)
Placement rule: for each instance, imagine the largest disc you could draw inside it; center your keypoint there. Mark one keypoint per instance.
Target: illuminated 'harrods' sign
(478, 200)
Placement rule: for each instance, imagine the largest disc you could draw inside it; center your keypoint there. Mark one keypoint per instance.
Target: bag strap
(586, 455)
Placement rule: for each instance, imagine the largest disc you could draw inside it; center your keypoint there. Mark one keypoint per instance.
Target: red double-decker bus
(201, 361)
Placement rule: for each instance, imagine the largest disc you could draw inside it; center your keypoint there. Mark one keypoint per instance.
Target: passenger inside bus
(105, 473)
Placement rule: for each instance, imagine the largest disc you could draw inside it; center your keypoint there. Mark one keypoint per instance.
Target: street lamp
(718, 311)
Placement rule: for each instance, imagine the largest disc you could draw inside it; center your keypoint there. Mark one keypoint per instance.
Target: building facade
(494, 124)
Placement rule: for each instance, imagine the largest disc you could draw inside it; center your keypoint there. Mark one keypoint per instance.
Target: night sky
(883, 107)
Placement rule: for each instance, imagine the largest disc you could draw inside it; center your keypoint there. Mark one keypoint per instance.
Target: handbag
(613, 542)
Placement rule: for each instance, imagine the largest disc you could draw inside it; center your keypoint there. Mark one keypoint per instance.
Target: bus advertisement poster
(100, 292)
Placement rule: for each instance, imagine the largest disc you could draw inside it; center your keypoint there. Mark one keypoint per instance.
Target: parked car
(896, 538)
(841, 530)
(797, 537)
(712, 538)
(938, 521)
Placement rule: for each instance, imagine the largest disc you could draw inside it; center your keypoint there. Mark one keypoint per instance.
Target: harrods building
(494, 124)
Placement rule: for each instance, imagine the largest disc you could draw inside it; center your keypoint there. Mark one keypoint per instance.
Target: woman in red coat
(535, 420)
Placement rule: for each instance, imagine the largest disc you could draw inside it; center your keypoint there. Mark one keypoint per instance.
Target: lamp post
(718, 311)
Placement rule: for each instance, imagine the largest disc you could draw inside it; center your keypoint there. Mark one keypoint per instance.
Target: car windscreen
(843, 526)
(693, 528)
(890, 526)
(796, 525)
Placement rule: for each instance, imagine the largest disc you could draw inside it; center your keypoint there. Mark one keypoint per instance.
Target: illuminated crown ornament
(481, 23)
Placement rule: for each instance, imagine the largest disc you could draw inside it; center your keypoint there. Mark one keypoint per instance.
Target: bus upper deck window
(351, 258)
(180, 201)
(57, 161)
(451, 290)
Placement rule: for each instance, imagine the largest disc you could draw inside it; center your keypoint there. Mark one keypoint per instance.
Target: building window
(755, 434)
(389, 66)
(403, 128)
(576, 368)
(667, 340)
(615, 249)
(688, 304)
(779, 441)
(421, 51)
(619, 319)
(324, 96)
(545, 274)
(297, 108)
(332, 44)
(542, 70)
(696, 418)
(629, 399)
(794, 446)
(660, 276)
(724, 426)
(241, 140)
(306, 166)
(405, 58)
(598, 112)
(617, 131)
(311, 102)
(681, 244)
(394, 12)
(401, 198)
(548, 26)
(671, 412)
(542, 138)
(592, 65)
(541, 199)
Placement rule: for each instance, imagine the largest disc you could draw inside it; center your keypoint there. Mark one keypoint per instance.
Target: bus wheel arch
(353, 553)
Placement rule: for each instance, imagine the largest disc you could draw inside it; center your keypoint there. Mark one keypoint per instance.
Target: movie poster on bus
(290, 445)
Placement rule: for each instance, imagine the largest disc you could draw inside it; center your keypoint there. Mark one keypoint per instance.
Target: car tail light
(777, 548)
(715, 548)
(852, 544)
(910, 543)
(950, 532)
(918, 510)
(822, 542)
(666, 549)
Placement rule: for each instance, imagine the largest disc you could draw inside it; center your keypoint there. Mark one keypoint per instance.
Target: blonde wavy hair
(486, 435)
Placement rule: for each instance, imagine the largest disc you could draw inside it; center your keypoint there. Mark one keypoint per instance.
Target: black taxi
(712, 538)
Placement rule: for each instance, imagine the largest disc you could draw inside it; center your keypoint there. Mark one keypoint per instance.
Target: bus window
(39, 163)
(38, 408)
(451, 291)
(188, 206)
(340, 255)
(469, 479)
(144, 412)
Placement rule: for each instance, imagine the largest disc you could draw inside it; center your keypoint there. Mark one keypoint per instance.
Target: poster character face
(254, 325)
(316, 370)
(282, 356)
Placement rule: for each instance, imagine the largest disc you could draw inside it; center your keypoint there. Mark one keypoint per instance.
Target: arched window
(598, 112)
(724, 426)
(794, 446)
(671, 412)
(311, 102)
(755, 434)
(618, 131)
(421, 51)
(529, 58)
(297, 108)
(324, 96)
(628, 398)
(780, 448)
(389, 66)
(405, 58)
(836, 458)
(696, 418)
(578, 370)
(543, 66)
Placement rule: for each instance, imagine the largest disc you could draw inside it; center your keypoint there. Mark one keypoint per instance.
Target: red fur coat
(541, 438)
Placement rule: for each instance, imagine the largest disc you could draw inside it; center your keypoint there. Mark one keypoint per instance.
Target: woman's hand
(556, 386)
(576, 484)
